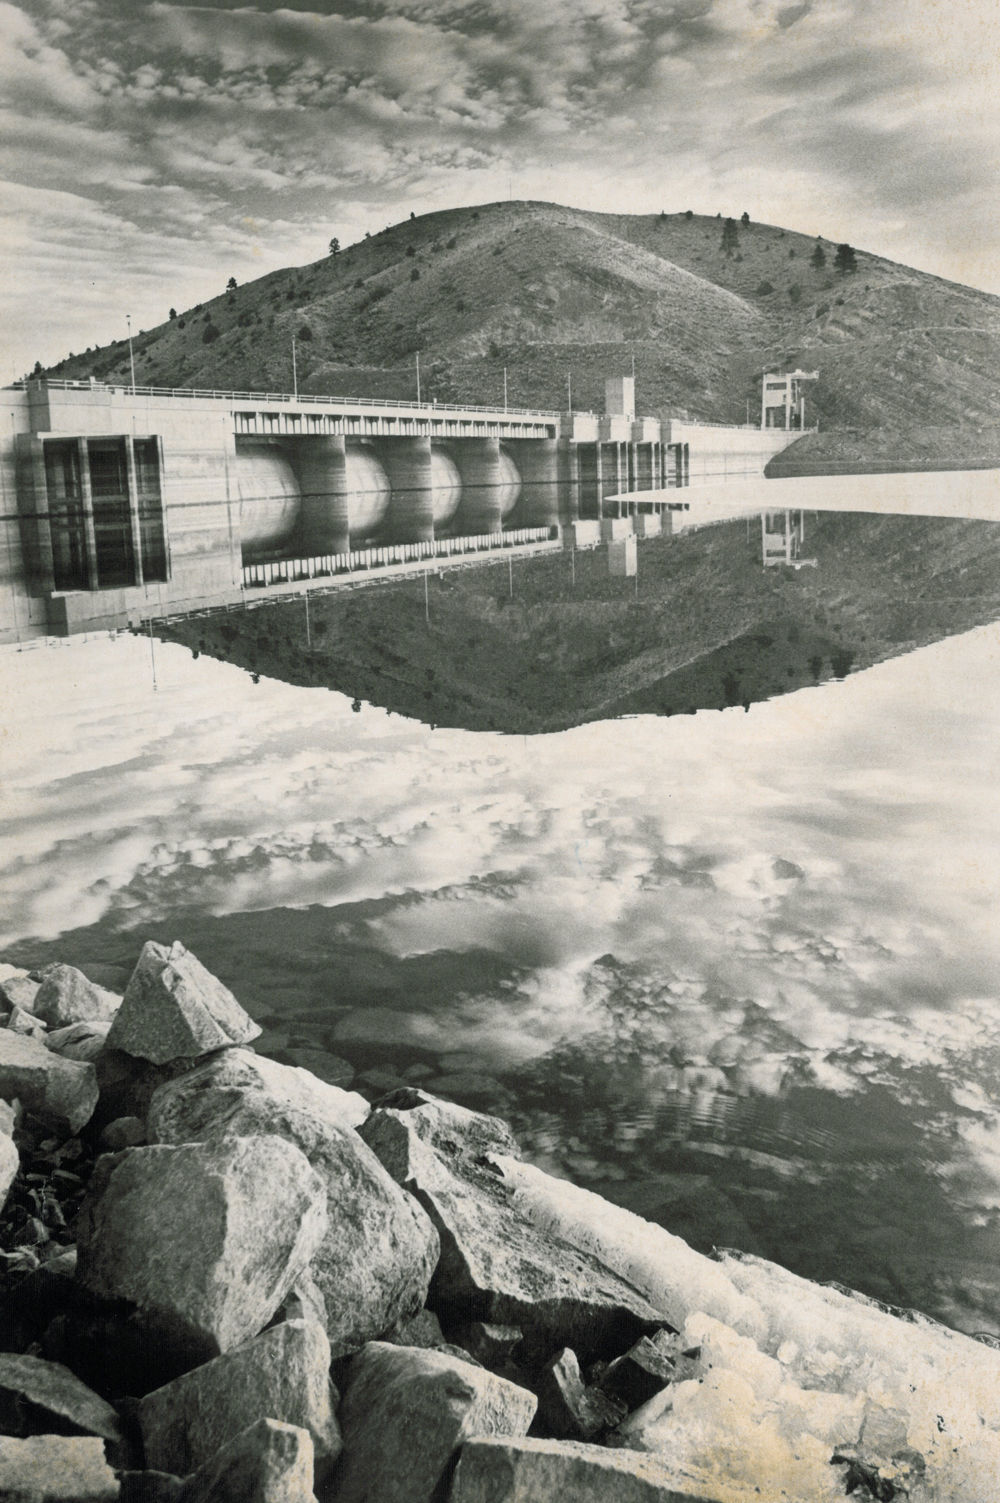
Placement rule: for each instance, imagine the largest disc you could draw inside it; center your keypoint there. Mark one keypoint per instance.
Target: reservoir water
(738, 972)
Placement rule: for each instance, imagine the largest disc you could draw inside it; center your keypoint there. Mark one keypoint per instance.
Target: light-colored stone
(375, 1263)
(66, 996)
(55, 1469)
(18, 989)
(53, 1388)
(282, 1374)
(567, 1407)
(83, 1040)
(63, 1091)
(205, 1238)
(9, 1158)
(543, 1471)
(24, 1022)
(404, 1412)
(174, 1007)
(269, 1462)
(496, 1266)
(209, 1096)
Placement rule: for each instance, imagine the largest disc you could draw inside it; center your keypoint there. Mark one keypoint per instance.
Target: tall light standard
(418, 378)
(131, 357)
(295, 372)
(505, 388)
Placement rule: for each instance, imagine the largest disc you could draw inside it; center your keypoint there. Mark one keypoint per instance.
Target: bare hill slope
(551, 292)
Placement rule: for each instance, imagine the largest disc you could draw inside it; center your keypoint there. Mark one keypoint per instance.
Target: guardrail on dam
(122, 504)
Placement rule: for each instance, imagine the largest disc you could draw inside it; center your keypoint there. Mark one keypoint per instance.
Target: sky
(152, 148)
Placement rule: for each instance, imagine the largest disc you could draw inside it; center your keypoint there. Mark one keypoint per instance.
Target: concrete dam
(122, 504)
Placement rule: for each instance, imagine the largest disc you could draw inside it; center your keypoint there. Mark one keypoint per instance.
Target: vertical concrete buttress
(537, 460)
(478, 461)
(407, 462)
(320, 465)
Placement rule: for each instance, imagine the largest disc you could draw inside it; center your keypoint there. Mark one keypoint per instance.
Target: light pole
(295, 372)
(418, 377)
(505, 388)
(131, 357)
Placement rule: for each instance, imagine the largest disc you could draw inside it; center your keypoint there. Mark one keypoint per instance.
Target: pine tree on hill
(845, 260)
(730, 238)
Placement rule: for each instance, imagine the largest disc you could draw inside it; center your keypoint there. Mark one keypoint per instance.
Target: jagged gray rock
(83, 1040)
(374, 1265)
(174, 1007)
(24, 1022)
(567, 1407)
(17, 989)
(640, 1373)
(496, 1266)
(123, 1132)
(205, 1238)
(67, 996)
(404, 1412)
(63, 1091)
(539, 1471)
(35, 1394)
(282, 1374)
(268, 1462)
(10, 1160)
(56, 1469)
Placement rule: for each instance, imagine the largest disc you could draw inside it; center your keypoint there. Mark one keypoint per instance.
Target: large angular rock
(174, 1007)
(17, 988)
(9, 1158)
(269, 1462)
(24, 1022)
(495, 1265)
(211, 1095)
(56, 1469)
(283, 1374)
(66, 996)
(63, 1091)
(205, 1238)
(639, 1374)
(37, 1397)
(374, 1265)
(404, 1413)
(541, 1471)
(83, 1040)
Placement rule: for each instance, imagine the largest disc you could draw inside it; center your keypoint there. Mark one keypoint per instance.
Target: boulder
(66, 996)
(63, 1091)
(269, 1462)
(18, 989)
(173, 1007)
(374, 1265)
(495, 1265)
(540, 1471)
(123, 1132)
(493, 1346)
(83, 1040)
(206, 1239)
(406, 1410)
(38, 1397)
(10, 1160)
(208, 1097)
(56, 1469)
(650, 1365)
(22, 1021)
(567, 1407)
(282, 1374)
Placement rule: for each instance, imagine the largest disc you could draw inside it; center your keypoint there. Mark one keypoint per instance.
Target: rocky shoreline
(225, 1280)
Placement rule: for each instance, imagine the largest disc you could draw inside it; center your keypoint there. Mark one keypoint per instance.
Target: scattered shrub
(209, 334)
(765, 289)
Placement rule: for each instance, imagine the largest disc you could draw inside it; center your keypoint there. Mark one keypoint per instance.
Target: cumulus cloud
(881, 128)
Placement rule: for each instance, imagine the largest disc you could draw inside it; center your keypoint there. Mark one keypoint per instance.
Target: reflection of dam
(121, 504)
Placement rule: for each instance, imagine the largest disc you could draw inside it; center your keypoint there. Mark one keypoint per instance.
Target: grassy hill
(706, 628)
(549, 292)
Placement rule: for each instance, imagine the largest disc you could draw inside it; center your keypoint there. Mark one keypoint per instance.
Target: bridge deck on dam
(969, 494)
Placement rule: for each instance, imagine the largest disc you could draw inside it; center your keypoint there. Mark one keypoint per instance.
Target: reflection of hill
(545, 291)
(708, 628)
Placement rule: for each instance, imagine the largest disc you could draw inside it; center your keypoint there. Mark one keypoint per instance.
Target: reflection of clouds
(831, 857)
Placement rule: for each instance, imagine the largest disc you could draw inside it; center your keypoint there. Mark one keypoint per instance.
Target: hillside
(706, 628)
(549, 292)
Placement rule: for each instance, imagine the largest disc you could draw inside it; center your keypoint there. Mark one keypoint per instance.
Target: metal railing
(286, 396)
(327, 565)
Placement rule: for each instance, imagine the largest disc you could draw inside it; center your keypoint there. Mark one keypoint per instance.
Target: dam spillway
(121, 504)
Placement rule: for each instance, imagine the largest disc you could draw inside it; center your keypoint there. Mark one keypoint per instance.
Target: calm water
(736, 971)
